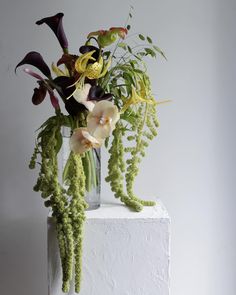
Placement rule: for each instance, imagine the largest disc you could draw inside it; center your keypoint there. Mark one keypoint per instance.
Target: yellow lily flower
(135, 98)
(82, 61)
(91, 71)
(58, 72)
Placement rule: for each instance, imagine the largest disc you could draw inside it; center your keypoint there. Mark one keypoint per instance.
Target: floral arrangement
(106, 91)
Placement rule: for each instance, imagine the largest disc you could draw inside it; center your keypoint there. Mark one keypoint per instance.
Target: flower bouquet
(106, 91)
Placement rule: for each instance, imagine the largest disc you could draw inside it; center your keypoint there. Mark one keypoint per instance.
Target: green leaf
(58, 138)
(65, 170)
(129, 49)
(128, 78)
(141, 53)
(130, 117)
(150, 52)
(141, 37)
(47, 122)
(138, 71)
(106, 142)
(122, 45)
(122, 89)
(159, 51)
(107, 54)
(136, 56)
(149, 40)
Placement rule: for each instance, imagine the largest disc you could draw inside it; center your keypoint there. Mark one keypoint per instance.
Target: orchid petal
(55, 23)
(89, 137)
(35, 59)
(81, 141)
(33, 74)
(101, 121)
(39, 95)
(54, 100)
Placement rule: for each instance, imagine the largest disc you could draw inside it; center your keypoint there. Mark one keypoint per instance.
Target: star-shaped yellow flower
(136, 98)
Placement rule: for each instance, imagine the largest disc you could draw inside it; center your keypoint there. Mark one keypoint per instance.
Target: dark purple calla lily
(55, 23)
(71, 105)
(35, 59)
(97, 93)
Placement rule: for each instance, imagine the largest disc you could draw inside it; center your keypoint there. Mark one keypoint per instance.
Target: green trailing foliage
(67, 206)
(139, 122)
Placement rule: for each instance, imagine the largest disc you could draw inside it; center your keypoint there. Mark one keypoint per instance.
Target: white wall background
(191, 166)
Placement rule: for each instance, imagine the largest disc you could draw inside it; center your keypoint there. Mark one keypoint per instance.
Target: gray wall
(191, 166)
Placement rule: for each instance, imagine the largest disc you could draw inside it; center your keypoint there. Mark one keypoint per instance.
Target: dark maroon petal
(97, 93)
(39, 95)
(54, 100)
(35, 59)
(55, 23)
(107, 96)
(71, 105)
(67, 59)
(64, 83)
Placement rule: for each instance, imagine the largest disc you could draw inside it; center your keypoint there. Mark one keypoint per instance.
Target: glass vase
(92, 169)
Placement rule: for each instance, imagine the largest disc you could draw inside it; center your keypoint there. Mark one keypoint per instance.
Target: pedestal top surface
(120, 211)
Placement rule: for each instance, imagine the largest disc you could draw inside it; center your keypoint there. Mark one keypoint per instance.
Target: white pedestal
(126, 253)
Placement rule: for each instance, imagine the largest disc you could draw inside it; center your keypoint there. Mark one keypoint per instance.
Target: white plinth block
(124, 252)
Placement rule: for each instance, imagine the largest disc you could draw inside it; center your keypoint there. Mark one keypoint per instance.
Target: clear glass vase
(92, 168)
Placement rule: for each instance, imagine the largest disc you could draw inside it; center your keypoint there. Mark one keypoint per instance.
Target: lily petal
(55, 23)
(35, 59)
(57, 71)
(82, 61)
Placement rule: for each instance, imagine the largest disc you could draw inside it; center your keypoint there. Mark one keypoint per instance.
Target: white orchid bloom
(81, 95)
(101, 121)
(81, 141)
